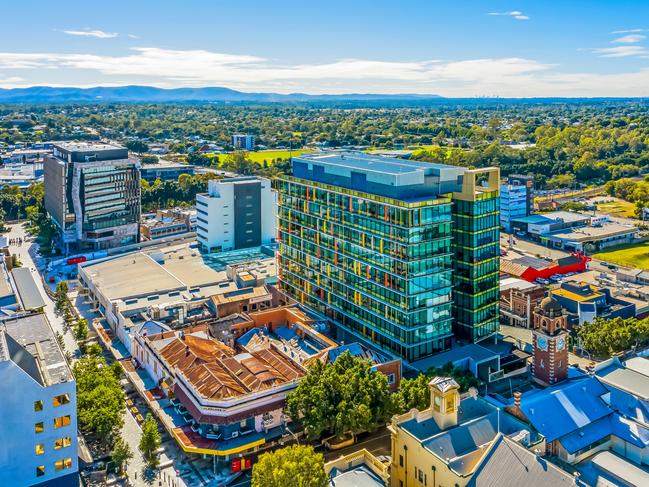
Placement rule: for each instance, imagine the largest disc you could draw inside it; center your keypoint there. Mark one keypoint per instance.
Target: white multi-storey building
(38, 424)
(243, 141)
(236, 213)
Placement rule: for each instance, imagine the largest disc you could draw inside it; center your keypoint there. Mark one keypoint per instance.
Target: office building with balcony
(92, 193)
(236, 213)
(38, 424)
(400, 254)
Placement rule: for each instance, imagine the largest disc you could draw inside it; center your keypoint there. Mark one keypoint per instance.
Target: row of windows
(437, 340)
(59, 465)
(59, 443)
(57, 401)
(407, 328)
(59, 422)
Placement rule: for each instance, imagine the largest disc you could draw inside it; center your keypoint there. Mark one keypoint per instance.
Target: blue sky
(451, 48)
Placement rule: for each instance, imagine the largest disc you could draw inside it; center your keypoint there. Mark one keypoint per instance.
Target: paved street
(27, 256)
(377, 443)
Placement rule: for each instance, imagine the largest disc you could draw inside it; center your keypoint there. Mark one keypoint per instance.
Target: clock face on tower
(542, 343)
(561, 343)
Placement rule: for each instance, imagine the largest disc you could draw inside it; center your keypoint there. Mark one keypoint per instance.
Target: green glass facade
(381, 268)
(400, 254)
(476, 277)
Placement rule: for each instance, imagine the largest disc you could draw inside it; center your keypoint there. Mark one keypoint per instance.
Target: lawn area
(269, 155)
(634, 255)
(619, 208)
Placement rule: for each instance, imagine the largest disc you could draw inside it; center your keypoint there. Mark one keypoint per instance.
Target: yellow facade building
(444, 445)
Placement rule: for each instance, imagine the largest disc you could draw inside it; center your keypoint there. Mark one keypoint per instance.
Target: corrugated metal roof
(560, 410)
(508, 464)
(30, 295)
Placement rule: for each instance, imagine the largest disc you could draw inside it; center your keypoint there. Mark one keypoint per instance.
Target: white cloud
(132, 36)
(621, 51)
(99, 34)
(10, 81)
(630, 39)
(518, 15)
(507, 77)
(628, 31)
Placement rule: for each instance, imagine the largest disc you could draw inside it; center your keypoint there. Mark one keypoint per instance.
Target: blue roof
(285, 333)
(534, 219)
(567, 407)
(630, 431)
(355, 349)
(613, 424)
(245, 338)
(587, 435)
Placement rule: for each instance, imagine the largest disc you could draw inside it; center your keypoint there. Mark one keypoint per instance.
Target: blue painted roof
(587, 435)
(567, 407)
(354, 349)
(534, 219)
(245, 338)
(285, 333)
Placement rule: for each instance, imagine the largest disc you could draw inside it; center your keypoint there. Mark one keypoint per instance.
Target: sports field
(617, 207)
(270, 155)
(634, 255)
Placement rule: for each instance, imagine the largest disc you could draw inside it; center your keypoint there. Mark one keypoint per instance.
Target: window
(39, 427)
(64, 442)
(40, 449)
(63, 464)
(61, 421)
(391, 379)
(401, 460)
(40, 470)
(38, 406)
(61, 400)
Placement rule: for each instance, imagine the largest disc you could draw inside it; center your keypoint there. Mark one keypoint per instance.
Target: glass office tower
(368, 241)
(476, 259)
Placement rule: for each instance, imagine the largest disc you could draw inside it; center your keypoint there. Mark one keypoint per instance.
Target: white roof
(515, 283)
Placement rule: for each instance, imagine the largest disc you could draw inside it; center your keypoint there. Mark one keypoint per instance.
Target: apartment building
(243, 142)
(514, 204)
(400, 254)
(38, 406)
(236, 213)
(92, 193)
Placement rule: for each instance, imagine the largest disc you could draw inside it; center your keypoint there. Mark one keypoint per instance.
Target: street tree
(121, 454)
(604, 337)
(150, 439)
(81, 329)
(293, 466)
(340, 397)
(100, 398)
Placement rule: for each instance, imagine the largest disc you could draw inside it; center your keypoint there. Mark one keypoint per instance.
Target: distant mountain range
(150, 94)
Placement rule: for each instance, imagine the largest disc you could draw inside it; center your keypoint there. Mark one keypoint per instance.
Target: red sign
(247, 463)
(235, 466)
(76, 260)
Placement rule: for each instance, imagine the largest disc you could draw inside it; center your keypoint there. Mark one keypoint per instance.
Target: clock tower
(550, 338)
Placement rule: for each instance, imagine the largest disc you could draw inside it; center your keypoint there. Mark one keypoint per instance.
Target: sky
(459, 48)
